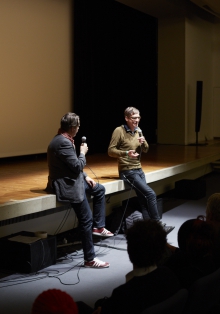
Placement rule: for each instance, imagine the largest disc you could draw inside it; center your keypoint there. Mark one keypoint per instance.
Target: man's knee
(98, 189)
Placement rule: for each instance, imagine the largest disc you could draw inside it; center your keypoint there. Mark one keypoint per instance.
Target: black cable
(63, 221)
(93, 173)
(22, 280)
(69, 284)
(41, 263)
(132, 184)
(140, 146)
(117, 231)
(110, 247)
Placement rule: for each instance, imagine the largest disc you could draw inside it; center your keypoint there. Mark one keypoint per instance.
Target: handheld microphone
(83, 139)
(139, 150)
(139, 132)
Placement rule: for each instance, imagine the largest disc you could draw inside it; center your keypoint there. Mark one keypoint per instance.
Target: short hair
(213, 207)
(196, 238)
(129, 111)
(146, 241)
(69, 120)
(54, 301)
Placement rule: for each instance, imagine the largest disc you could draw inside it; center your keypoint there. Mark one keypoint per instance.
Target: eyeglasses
(135, 118)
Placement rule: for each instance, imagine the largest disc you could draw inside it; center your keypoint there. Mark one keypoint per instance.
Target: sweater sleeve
(145, 147)
(114, 146)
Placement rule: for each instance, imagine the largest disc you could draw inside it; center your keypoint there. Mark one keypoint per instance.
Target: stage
(23, 179)
(25, 206)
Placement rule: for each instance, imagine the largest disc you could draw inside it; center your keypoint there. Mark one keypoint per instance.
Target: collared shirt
(140, 272)
(129, 130)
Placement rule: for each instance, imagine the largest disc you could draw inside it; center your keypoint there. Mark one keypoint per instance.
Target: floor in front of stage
(18, 291)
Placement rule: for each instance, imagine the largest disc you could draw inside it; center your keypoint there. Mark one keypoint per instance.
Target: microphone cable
(84, 142)
(117, 231)
(140, 146)
(132, 184)
(64, 219)
(93, 173)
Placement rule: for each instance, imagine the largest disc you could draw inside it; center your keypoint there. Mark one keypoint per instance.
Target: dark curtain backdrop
(115, 66)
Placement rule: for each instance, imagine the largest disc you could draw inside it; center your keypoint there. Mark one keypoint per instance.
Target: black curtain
(115, 66)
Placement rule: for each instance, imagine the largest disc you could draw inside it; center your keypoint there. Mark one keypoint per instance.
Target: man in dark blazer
(70, 184)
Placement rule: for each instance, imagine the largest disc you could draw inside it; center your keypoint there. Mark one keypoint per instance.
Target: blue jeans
(98, 193)
(87, 221)
(146, 196)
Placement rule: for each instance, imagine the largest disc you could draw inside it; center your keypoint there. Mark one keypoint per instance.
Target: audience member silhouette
(213, 217)
(195, 257)
(147, 284)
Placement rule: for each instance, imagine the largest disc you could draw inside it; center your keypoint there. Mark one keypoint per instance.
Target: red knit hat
(54, 301)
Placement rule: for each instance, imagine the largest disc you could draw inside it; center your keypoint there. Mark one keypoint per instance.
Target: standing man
(127, 144)
(70, 184)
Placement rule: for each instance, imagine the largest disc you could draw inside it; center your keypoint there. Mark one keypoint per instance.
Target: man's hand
(133, 154)
(83, 148)
(141, 139)
(90, 181)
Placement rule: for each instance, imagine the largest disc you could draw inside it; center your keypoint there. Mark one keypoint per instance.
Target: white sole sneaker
(96, 263)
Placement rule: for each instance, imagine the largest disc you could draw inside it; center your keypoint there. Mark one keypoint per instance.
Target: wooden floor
(26, 177)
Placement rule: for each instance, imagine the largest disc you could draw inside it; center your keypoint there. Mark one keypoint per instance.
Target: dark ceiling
(163, 8)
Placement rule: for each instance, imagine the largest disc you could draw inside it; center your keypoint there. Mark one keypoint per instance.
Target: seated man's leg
(146, 196)
(84, 215)
(150, 197)
(152, 204)
(98, 193)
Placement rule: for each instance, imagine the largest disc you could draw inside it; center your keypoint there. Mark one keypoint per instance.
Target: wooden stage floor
(26, 177)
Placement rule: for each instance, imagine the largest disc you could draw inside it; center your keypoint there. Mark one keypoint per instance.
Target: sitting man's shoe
(168, 229)
(96, 263)
(102, 232)
(163, 223)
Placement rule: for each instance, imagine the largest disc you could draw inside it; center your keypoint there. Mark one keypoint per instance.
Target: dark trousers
(146, 196)
(87, 221)
(98, 200)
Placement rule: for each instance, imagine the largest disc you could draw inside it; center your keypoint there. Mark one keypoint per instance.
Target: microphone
(83, 139)
(139, 150)
(139, 132)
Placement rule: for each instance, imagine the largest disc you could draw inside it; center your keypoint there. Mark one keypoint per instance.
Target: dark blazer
(142, 292)
(66, 178)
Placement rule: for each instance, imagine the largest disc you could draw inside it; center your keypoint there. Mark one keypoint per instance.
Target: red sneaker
(96, 263)
(102, 232)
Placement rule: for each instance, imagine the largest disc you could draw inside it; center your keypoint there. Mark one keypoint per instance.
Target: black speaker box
(190, 189)
(27, 257)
